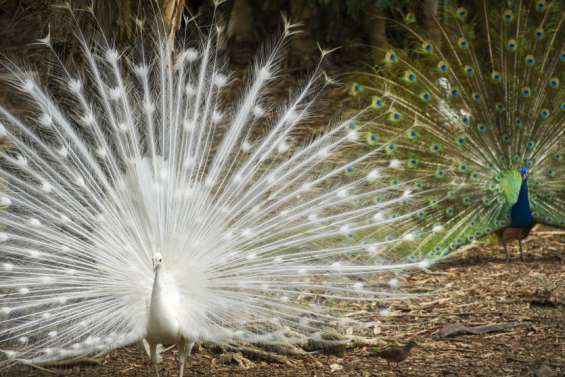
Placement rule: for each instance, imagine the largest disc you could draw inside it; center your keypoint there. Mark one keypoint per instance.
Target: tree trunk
(374, 25)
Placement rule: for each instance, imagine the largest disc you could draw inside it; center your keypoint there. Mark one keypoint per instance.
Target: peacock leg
(521, 254)
(154, 357)
(506, 250)
(185, 348)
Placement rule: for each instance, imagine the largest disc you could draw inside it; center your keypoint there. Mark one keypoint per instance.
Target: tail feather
(138, 155)
(465, 108)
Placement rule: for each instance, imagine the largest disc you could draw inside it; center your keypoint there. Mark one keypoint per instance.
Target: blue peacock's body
(521, 214)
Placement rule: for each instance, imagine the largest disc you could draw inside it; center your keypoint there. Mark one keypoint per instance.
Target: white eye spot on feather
(264, 74)
(75, 85)
(379, 216)
(46, 187)
(116, 93)
(21, 161)
(63, 152)
(283, 147)
(395, 163)
(438, 228)
(246, 146)
(258, 112)
(220, 80)
(216, 117)
(394, 283)
(373, 175)
(141, 70)
(28, 85)
(46, 120)
(112, 56)
(352, 135)
(191, 54)
(88, 119)
(409, 237)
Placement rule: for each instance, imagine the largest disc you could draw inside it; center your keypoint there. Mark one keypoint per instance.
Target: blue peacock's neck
(521, 213)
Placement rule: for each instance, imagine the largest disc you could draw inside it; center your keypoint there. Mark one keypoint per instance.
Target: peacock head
(524, 172)
(157, 261)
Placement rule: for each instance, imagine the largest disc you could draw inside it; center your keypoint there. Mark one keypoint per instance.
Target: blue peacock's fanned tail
(467, 105)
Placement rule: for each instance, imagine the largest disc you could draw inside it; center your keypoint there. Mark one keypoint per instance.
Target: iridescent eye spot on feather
(425, 96)
(410, 18)
(539, 33)
(475, 176)
(554, 83)
(390, 148)
(512, 45)
(395, 116)
(436, 148)
(372, 138)
(460, 140)
(469, 71)
(461, 13)
(476, 97)
(427, 47)
(356, 88)
(558, 157)
(467, 200)
(462, 43)
(506, 139)
(409, 77)
(519, 124)
(482, 128)
(443, 67)
(391, 57)
(496, 76)
(413, 163)
(466, 119)
(530, 60)
(412, 134)
(562, 106)
(525, 91)
(562, 57)
(544, 114)
(499, 107)
(530, 145)
(377, 102)
(508, 15)
(540, 5)
(551, 173)
(462, 168)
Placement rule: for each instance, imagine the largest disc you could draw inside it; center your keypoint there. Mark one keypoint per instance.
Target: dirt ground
(473, 288)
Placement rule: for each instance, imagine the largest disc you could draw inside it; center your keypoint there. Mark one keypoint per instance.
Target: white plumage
(138, 206)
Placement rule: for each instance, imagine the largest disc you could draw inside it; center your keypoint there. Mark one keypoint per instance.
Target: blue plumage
(521, 213)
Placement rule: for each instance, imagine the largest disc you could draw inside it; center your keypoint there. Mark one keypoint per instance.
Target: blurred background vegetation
(353, 25)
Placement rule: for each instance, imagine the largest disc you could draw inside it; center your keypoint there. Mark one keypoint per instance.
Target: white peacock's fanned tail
(135, 155)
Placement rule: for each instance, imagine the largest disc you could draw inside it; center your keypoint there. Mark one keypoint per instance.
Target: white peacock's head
(157, 260)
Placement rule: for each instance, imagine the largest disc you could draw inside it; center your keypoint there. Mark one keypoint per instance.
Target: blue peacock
(472, 127)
